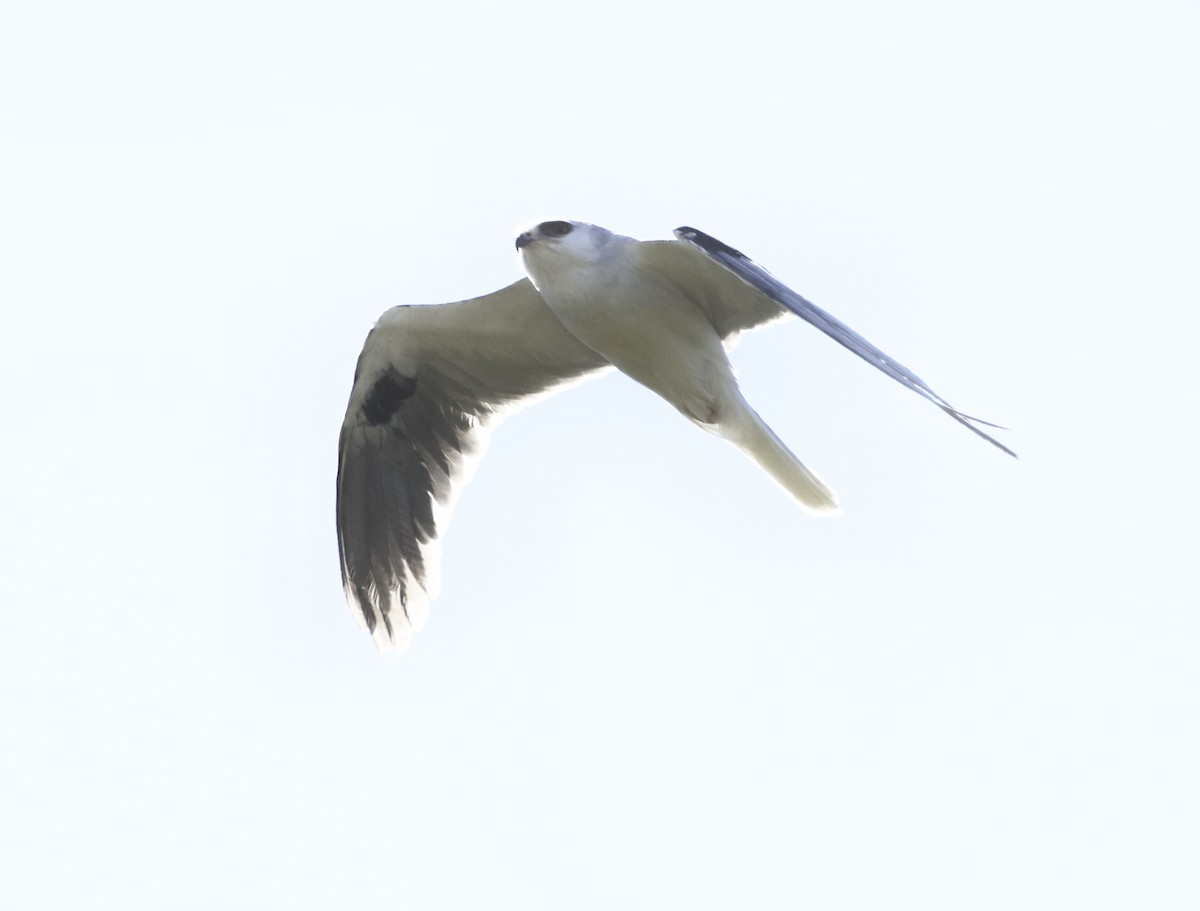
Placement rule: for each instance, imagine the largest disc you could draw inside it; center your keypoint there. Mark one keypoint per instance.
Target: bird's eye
(555, 228)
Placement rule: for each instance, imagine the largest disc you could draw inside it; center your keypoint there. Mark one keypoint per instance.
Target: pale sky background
(650, 681)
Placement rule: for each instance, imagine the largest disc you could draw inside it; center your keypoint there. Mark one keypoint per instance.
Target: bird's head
(552, 248)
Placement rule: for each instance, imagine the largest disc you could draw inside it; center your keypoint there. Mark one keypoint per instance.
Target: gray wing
(430, 384)
(758, 278)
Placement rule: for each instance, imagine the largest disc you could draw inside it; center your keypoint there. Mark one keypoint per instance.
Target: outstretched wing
(430, 384)
(758, 278)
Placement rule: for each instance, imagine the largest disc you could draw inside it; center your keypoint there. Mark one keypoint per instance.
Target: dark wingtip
(966, 421)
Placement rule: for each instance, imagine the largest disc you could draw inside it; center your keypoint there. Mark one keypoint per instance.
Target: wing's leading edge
(763, 281)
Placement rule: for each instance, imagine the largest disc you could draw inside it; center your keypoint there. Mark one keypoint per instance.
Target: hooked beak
(524, 239)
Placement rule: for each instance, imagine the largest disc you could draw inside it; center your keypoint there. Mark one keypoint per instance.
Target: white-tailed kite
(432, 381)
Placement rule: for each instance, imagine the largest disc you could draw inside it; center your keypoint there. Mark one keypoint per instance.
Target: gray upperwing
(763, 281)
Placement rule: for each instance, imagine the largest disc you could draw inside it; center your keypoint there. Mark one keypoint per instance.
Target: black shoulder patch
(390, 391)
(708, 242)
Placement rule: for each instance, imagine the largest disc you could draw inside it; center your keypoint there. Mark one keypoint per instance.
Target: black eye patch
(555, 228)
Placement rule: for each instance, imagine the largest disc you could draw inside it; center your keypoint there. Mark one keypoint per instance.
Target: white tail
(746, 430)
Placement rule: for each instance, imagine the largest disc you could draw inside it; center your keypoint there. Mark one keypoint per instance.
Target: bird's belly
(664, 343)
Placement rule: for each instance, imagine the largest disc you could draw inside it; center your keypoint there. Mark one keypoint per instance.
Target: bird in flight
(433, 381)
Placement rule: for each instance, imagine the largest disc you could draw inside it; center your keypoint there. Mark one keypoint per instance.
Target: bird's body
(675, 351)
(600, 284)
(433, 380)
